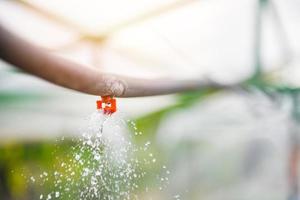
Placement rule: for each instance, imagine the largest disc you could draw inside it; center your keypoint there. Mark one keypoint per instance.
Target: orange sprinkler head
(107, 104)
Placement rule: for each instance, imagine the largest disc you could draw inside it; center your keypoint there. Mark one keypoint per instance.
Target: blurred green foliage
(12, 97)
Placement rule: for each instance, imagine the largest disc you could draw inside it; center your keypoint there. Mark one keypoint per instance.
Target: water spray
(104, 163)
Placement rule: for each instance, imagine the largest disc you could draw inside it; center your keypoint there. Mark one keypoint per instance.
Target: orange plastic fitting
(107, 104)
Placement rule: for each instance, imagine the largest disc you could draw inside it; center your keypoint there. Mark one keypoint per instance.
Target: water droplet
(49, 196)
(77, 156)
(32, 179)
(57, 194)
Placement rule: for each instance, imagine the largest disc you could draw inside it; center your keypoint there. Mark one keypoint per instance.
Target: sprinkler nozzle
(107, 104)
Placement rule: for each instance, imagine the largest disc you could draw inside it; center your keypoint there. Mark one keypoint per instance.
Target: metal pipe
(48, 66)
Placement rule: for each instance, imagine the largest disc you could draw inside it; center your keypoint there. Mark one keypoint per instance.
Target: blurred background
(218, 144)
